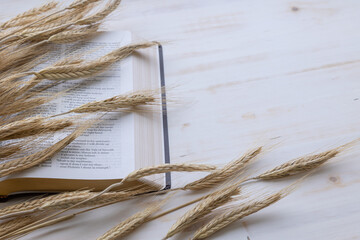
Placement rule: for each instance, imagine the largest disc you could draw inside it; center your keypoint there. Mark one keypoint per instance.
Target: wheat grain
(203, 208)
(224, 173)
(228, 217)
(298, 165)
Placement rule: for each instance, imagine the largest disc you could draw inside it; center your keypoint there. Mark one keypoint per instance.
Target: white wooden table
(245, 73)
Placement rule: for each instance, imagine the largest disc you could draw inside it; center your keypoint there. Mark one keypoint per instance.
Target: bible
(119, 144)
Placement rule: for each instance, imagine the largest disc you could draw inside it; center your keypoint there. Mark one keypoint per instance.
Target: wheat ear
(116, 103)
(74, 35)
(53, 22)
(130, 224)
(35, 205)
(9, 150)
(101, 15)
(228, 217)
(16, 223)
(76, 71)
(81, 3)
(33, 126)
(203, 208)
(34, 159)
(298, 165)
(65, 200)
(45, 34)
(22, 17)
(224, 173)
(143, 172)
(133, 176)
(112, 198)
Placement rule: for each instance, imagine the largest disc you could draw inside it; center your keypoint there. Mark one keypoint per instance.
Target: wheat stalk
(16, 223)
(228, 217)
(130, 224)
(74, 35)
(95, 18)
(143, 172)
(81, 3)
(224, 173)
(34, 159)
(76, 6)
(132, 176)
(24, 105)
(55, 21)
(100, 15)
(298, 165)
(19, 22)
(116, 103)
(19, 19)
(65, 200)
(9, 150)
(39, 204)
(33, 126)
(203, 208)
(75, 71)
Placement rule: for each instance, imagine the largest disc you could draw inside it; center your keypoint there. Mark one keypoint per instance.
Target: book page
(106, 151)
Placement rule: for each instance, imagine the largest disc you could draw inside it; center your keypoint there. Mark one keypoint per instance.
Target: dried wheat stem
(130, 224)
(224, 173)
(203, 208)
(34, 159)
(33, 126)
(298, 165)
(228, 217)
(75, 71)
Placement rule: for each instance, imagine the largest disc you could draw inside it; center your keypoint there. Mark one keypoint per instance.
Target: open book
(120, 144)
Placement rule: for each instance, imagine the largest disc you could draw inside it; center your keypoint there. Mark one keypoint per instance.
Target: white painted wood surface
(243, 73)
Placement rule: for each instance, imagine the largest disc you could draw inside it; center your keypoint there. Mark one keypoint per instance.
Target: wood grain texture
(243, 74)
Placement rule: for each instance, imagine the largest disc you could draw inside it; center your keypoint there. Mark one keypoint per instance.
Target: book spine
(164, 118)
